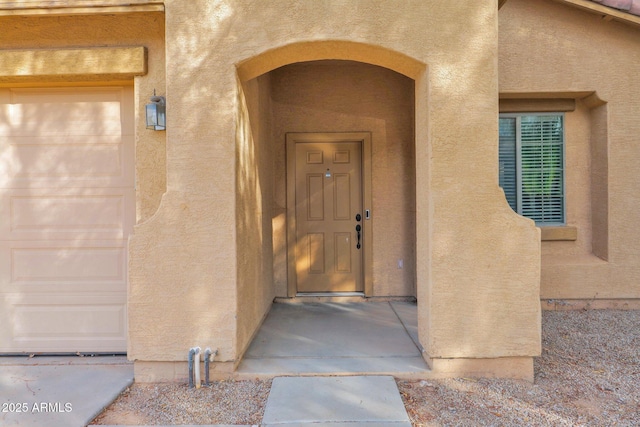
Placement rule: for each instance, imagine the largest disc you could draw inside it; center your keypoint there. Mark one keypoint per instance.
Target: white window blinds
(531, 150)
(509, 160)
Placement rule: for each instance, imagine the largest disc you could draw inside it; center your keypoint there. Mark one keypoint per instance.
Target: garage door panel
(66, 214)
(55, 323)
(53, 137)
(67, 207)
(77, 214)
(81, 318)
(37, 95)
(67, 161)
(59, 111)
(62, 266)
(66, 165)
(71, 140)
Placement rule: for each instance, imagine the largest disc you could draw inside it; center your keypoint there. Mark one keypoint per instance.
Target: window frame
(518, 164)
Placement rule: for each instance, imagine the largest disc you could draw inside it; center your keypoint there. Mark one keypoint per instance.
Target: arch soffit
(321, 50)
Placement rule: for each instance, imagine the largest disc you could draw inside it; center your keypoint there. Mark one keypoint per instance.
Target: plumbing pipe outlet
(192, 352)
(197, 367)
(208, 357)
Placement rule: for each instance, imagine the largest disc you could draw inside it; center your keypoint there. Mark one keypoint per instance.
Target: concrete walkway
(316, 351)
(59, 391)
(368, 338)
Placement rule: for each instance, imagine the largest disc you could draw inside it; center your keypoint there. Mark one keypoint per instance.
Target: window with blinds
(531, 162)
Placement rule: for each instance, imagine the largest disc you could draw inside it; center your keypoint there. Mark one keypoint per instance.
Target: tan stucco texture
(426, 79)
(115, 63)
(548, 49)
(95, 50)
(201, 269)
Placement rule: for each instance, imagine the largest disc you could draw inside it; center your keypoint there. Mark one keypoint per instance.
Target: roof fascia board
(57, 8)
(607, 13)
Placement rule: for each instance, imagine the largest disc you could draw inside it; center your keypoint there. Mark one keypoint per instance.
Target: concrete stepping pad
(356, 400)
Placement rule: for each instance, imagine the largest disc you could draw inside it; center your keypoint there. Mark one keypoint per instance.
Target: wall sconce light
(156, 113)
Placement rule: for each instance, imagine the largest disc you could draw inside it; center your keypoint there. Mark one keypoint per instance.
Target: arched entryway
(209, 259)
(331, 103)
(345, 98)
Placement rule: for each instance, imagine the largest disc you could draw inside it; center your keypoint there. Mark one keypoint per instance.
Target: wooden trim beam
(42, 65)
(78, 8)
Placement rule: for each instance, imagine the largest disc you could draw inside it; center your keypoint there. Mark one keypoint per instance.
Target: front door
(328, 212)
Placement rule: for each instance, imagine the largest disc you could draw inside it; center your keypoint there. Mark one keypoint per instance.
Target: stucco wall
(125, 29)
(552, 49)
(343, 96)
(477, 263)
(254, 171)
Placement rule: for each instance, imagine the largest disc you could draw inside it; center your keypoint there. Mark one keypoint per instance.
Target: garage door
(66, 209)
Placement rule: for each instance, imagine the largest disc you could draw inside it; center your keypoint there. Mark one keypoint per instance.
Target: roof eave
(607, 13)
(78, 7)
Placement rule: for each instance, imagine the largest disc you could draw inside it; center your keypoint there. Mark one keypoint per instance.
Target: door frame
(364, 138)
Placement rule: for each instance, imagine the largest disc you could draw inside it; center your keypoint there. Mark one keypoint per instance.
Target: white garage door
(66, 209)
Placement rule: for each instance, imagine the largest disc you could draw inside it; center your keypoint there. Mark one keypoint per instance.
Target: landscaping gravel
(588, 375)
(224, 402)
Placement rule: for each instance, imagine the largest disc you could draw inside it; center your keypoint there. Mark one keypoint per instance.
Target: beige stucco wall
(477, 263)
(254, 208)
(555, 50)
(330, 96)
(82, 31)
(208, 256)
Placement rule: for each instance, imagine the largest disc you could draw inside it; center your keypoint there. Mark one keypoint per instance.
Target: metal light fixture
(156, 113)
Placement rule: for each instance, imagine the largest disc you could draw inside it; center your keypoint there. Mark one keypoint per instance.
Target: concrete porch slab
(336, 339)
(371, 400)
(407, 313)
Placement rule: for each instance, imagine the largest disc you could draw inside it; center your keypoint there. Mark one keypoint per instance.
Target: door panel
(314, 257)
(315, 197)
(342, 197)
(328, 193)
(342, 252)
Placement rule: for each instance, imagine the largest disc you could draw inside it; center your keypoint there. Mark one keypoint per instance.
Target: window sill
(559, 233)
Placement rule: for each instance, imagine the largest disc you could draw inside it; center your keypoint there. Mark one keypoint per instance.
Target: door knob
(358, 228)
(358, 217)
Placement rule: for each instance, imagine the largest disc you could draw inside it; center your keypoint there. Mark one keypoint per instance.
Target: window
(531, 152)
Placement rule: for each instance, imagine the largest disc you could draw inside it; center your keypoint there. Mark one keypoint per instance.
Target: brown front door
(328, 211)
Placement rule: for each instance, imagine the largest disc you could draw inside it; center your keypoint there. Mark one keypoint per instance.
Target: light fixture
(156, 113)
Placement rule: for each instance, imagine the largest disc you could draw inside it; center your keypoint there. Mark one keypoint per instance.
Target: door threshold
(330, 294)
(316, 297)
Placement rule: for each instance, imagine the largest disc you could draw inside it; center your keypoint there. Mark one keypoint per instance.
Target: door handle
(358, 228)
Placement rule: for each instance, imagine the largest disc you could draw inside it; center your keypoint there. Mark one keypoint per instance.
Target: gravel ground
(588, 374)
(224, 402)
